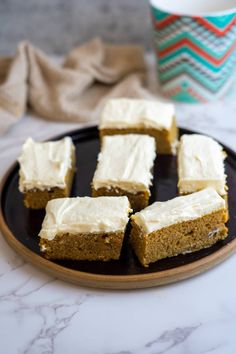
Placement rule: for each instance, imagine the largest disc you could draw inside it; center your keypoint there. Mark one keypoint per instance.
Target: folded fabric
(13, 88)
(74, 91)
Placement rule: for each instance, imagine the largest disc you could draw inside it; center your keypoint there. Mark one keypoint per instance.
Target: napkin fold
(13, 88)
(74, 91)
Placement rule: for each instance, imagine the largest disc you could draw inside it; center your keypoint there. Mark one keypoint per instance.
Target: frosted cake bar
(124, 167)
(182, 225)
(200, 164)
(46, 171)
(139, 116)
(84, 228)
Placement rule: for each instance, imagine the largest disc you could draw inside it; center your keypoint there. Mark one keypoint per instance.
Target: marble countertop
(41, 314)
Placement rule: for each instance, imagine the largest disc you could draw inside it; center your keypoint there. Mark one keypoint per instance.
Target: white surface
(196, 7)
(40, 314)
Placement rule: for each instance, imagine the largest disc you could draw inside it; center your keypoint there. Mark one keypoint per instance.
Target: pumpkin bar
(84, 228)
(124, 168)
(182, 225)
(201, 164)
(46, 171)
(139, 116)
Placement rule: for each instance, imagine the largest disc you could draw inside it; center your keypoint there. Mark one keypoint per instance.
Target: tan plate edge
(113, 281)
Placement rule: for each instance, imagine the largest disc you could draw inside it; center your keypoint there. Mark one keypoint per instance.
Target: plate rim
(103, 281)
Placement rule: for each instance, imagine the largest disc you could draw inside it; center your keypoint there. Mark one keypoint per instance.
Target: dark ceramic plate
(24, 225)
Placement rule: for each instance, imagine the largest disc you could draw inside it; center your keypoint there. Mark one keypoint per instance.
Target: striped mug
(195, 45)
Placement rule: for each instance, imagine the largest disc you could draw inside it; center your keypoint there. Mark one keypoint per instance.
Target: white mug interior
(196, 7)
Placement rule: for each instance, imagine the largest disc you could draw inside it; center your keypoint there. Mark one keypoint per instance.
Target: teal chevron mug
(195, 46)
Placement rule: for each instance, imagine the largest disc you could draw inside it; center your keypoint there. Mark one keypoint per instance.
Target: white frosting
(200, 164)
(85, 215)
(179, 209)
(125, 161)
(123, 113)
(45, 165)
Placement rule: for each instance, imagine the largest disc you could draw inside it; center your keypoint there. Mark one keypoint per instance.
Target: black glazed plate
(25, 224)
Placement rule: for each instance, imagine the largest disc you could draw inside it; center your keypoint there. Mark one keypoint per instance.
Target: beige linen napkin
(74, 91)
(13, 88)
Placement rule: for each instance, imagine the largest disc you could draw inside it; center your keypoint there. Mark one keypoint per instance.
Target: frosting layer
(179, 209)
(85, 215)
(137, 113)
(200, 164)
(44, 165)
(125, 161)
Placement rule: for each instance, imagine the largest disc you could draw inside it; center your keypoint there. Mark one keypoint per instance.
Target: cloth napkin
(74, 91)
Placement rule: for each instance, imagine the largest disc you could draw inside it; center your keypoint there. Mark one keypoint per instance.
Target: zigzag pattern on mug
(202, 68)
(187, 59)
(192, 25)
(208, 82)
(196, 36)
(219, 26)
(196, 56)
(191, 95)
(173, 33)
(185, 88)
(199, 53)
